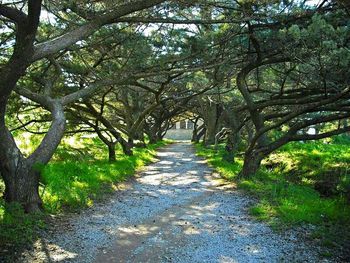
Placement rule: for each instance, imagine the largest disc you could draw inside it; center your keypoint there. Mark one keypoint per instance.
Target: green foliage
(343, 139)
(75, 184)
(293, 204)
(286, 187)
(226, 169)
(315, 164)
(78, 174)
(16, 227)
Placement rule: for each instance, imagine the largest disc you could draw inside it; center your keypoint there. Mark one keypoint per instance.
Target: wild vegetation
(302, 184)
(259, 79)
(78, 175)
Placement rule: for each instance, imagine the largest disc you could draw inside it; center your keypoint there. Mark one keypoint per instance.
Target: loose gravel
(176, 210)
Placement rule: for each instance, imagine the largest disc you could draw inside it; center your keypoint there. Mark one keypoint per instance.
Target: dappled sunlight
(165, 162)
(151, 172)
(168, 211)
(44, 252)
(225, 259)
(165, 154)
(208, 210)
(253, 249)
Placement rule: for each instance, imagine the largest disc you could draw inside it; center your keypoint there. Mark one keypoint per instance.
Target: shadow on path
(176, 210)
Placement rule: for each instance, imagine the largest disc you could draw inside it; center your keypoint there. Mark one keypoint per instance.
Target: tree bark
(21, 181)
(22, 184)
(200, 134)
(231, 147)
(111, 152)
(210, 135)
(252, 161)
(127, 147)
(20, 174)
(153, 139)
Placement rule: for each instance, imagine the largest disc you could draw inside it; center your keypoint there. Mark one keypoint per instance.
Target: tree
(19, 173)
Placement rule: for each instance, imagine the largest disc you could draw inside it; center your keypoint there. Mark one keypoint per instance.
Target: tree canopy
(257, 73)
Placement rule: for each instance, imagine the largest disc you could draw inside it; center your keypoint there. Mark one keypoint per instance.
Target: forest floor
(176, 210)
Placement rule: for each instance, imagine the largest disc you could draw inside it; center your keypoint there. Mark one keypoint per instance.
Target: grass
(78, 175)
(214, 158)
(74, 184)
(16, 227)
(286, 187)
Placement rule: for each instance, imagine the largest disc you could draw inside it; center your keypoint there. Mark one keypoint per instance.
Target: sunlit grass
(227, 170)
(77, 176)
(293, 204)
(285, 186)
(75, 184)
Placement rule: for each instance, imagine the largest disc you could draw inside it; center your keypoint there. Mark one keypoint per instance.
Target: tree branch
(13, 14)
(54, 45)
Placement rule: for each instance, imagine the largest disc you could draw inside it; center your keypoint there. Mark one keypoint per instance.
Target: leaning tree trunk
(21, 180)
(153, 133)
(252, 162)
(194, 134)
(199, 135)
(20, 174)
(127, 146)
(153, 138)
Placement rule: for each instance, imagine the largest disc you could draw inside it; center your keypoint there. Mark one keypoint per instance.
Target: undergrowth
(78, 175)
(287, 188)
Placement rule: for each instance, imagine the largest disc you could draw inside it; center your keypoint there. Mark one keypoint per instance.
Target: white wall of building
(176, 133)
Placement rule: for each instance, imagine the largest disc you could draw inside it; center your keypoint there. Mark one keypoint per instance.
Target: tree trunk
(200, 134)
(250, 132)
(111, 152)
(20, 178)
(22, 185)
(210, 135)
(231, 147)
(252, 162)
(20, 174)
(127, 146)
(194, 134)
(153, 133)
(153, 138)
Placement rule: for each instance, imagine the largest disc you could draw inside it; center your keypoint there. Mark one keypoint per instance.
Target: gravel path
(176, 210)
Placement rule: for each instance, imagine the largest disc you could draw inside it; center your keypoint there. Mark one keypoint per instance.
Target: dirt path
(175, 211)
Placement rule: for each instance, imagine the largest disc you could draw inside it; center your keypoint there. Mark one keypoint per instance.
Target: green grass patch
(214, 157)
(16, 227)
(287, 187)
(74, 184)
(78, 175)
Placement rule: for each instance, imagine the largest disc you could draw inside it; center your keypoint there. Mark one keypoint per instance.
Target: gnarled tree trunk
(20, 174)
(22, 184)
(252, 161)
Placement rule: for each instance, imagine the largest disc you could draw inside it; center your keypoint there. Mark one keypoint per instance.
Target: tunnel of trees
(256, 73)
